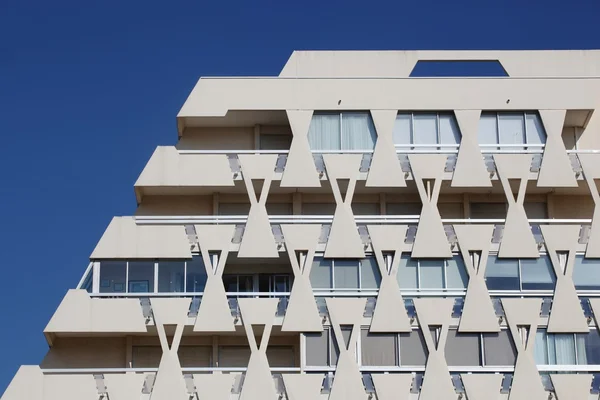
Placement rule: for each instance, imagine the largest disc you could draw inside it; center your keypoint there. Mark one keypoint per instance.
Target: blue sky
(88, 89)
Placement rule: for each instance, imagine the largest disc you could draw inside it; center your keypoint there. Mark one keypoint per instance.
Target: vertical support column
(302, 314)
(435, 313)
(522, 316)
(517, 240)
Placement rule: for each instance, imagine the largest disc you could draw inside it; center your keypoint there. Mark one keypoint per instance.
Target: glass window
(141, 277)
(426, 129)
(346, 332)
(561, 349)
(511, 128)
(245, 283)
(231, 283)
(462, 348)
(537, 274)
(171, 276)
(318, 208)
(488, 129)
(346, 274)
(196, 275)
(281, 356)
(146, 356)
(449, 132)
(279, 208)
(502, 274)
(317, 349)
(234, 356)
(88, 282)
(234, 208)
(403, 129)
(277, 141)
(431, 274)
(488, 210)
(195, 356)
(324, 132)
(456, 274)
(379, 349)
(403, 208)
(535, 129)
(358, 131)
(588, 348)
(365, 208)
(535, 210)
(540, 352)
(499, 349)
(370, 277)
(413, 351)
(586, 274)
(112, 276)
(407, 273)
(320, 273)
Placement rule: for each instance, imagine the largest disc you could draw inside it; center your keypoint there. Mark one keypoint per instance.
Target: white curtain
(449, 131)
(425, 129)
(324, 132)
(581, 349)
(358, 131)
(535, 129)
(561, 349)
(403, 129)
(541, 348)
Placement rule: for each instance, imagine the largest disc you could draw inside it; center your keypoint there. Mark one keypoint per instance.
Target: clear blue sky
(88, 89)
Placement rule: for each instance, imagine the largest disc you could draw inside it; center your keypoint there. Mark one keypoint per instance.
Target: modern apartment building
(349, 231)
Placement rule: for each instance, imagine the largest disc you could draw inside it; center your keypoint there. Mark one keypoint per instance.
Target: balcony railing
(328, 374)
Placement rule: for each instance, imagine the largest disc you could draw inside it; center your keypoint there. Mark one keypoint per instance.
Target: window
(379, 349)
(171, 276)
(345, 274)
(234, 208)
(234, 356)
(318, 208)
(196, 275)
(525, 274)
(463, 348)
(432, 274)
(564, 348)
(317, 349)
(342, 131)
(88, 282)
(586, 275)
(189, 356)
(322, 348)
(534, 210)
(275, 141)
(426, 129)
(140, 277)
(413, 351)
(238, 283)
(112, 276)
(403, 208)
(511, 128)
(499, 349)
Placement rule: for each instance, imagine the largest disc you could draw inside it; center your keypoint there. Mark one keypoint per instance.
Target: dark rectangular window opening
(458, 68)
